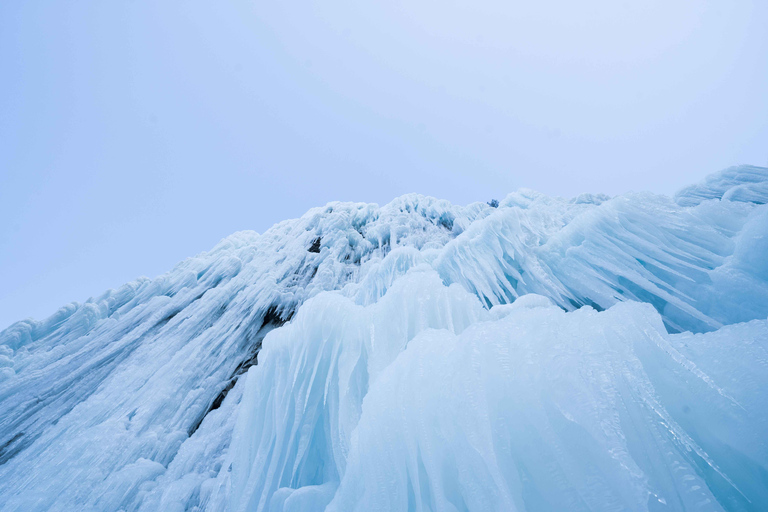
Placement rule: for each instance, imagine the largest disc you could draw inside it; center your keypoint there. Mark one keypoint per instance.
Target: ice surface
(416, 356)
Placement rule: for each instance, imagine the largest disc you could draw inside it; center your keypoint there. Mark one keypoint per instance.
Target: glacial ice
(549, 354)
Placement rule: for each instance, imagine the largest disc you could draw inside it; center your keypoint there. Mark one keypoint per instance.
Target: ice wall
(416, 356)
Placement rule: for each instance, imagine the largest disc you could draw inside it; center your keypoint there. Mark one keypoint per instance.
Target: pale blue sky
(134, 134)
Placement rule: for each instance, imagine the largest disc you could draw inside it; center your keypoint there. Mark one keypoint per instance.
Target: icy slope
(435, 358)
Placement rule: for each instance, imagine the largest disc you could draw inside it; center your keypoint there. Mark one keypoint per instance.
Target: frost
(546, 354)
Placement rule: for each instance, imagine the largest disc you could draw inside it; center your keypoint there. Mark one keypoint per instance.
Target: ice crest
(746, 183)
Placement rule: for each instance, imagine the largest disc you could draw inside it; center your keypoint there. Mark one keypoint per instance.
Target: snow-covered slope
(592, 354)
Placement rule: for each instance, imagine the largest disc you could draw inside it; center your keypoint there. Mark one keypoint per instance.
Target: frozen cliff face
(592, 354)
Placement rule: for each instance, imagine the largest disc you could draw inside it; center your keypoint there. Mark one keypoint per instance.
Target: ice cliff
(600, 354)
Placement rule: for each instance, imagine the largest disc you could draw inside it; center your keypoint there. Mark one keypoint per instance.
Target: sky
(134, 134)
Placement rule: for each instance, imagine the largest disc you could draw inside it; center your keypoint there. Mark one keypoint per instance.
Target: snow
(549, 354)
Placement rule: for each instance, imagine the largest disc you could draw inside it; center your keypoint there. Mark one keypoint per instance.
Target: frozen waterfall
(595, 354)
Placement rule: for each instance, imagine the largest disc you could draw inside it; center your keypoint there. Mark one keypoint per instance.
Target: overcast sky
(134, 133)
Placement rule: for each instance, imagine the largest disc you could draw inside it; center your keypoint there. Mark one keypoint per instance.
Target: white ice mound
(416, 356)
(323, 364)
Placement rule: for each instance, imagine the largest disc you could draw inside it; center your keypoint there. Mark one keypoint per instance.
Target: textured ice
(742, 183)
(549, 354)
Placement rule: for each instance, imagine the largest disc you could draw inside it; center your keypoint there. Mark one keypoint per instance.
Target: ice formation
(596, 354)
